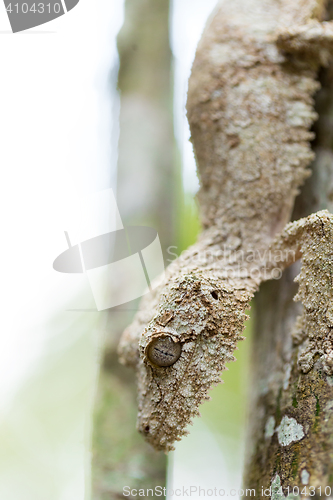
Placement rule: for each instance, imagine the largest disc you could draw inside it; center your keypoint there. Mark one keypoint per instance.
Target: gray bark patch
(289, 430)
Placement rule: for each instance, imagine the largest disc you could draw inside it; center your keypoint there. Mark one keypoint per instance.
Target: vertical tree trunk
(146, 195)
(291, 417)
(146, 164)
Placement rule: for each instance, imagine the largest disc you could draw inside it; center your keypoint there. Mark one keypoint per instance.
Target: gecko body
(250, 109)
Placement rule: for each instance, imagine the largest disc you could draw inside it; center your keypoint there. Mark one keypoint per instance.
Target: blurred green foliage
(188, 224)
(225, 414)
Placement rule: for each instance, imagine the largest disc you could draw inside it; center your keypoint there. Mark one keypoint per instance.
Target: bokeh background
(96, 100)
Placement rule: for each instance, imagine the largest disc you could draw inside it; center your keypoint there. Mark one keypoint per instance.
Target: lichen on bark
(280, 387)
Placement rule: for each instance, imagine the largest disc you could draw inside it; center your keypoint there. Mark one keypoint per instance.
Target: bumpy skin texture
(250, 109)
(313, 332)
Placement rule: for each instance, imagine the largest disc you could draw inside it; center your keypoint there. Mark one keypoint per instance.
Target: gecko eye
(163, 351)
(214, 295)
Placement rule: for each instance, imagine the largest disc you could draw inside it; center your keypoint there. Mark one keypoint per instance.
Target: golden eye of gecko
(163, 351)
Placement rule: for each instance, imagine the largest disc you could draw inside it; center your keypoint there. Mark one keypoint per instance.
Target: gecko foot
(313, 38)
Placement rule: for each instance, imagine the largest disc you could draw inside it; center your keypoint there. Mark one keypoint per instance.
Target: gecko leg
(312, 238)
(313, 38)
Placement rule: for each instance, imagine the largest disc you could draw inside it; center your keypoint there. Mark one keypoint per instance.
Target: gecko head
(182, 352)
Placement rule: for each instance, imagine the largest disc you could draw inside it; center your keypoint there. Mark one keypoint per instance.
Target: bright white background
(57, 145)
(58, 129)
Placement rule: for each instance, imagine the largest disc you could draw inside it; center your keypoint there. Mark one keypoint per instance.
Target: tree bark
(291, 419)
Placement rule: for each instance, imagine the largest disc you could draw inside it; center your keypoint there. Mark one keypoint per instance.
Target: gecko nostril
(147, 428)
(214, 295)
